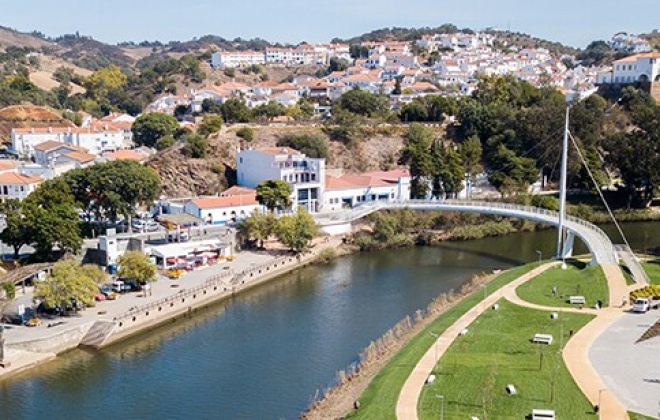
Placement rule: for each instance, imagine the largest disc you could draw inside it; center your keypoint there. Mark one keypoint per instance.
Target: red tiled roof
(14, 178)
(125, 155)
(47, 146)
(228, 201)
(81, 157)
(236, 190)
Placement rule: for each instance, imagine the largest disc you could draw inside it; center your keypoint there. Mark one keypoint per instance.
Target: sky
(572, 22)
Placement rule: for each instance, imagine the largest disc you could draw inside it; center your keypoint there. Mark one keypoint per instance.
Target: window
(240, 160)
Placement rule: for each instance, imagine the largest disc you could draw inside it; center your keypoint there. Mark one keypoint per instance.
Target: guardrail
(605, 252)
(228, 280)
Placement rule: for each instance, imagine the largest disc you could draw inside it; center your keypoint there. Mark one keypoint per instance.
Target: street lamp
(540, 254)
(600, 391)
(437, 336)
(442, 406)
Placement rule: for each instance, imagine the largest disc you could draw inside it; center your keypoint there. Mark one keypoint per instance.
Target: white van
(641, 305)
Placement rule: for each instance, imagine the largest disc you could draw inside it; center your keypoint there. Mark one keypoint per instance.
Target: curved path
(599, 244)
(575, 353)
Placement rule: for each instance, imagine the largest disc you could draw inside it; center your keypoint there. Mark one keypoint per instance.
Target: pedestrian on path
(554, 291)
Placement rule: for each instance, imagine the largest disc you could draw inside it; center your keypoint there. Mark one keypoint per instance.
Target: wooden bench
(542, 339)
(543, 414)
(577, 300)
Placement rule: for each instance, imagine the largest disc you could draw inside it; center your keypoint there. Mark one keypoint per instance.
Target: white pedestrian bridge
(599, 244)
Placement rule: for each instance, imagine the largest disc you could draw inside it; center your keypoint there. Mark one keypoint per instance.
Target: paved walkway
(406, 406)
(575, 354)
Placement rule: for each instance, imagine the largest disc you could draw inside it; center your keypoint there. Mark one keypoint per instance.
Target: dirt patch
(652, 332)
(23, 116)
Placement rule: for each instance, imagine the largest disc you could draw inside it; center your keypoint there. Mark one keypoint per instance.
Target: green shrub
(10, 290)
(326, 255)
(246, 133)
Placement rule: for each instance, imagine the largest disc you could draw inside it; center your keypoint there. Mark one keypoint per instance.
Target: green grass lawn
(653, 270)
(378, 401)
(578, 279)
(637, 416)
(497, 351)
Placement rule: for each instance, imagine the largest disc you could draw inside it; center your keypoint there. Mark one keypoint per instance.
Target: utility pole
(562, 189)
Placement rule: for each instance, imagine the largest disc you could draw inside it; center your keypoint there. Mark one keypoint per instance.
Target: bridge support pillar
(567, 252)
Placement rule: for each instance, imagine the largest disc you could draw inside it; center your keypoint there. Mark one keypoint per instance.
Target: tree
(258, 227)
(297, 230)
(51, 219)
(274, 194)
(246, 133)
(102, 81)
(136, 266)
(210, 124)
(67, 283)
(148, 128)
(362, 102)
(415, 154)
(165, 142)
(113, 188)
(234, 110)
(510, 173)
(470, 151)
(196, 146)
(312, 145)
(269, 110)
(16, 233)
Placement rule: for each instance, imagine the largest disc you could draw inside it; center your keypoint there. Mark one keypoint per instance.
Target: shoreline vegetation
(401, 346)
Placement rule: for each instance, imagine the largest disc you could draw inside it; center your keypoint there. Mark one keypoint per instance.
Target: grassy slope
(653, 270)
(577, 279)
(379, 399)
(496, 352)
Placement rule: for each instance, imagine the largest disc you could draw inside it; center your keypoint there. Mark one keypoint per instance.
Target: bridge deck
(599, 244)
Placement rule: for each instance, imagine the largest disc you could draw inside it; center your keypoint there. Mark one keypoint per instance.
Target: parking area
(630, 371)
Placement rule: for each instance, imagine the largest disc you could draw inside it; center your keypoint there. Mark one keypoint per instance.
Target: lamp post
(540, 254)
(600, 391)
(442, 406)
(436, 336)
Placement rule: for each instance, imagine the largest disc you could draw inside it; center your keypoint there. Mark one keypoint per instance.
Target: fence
(221, 283)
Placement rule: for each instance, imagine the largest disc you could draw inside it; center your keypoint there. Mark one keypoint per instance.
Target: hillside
(10, 37)
(21, 116)
(183, 177)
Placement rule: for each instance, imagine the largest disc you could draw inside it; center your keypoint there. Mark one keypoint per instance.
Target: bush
(196, 147)
(313, 145)
(229, 72)
(246, 133)
(164, 142)
(326, 255)
(10, 290)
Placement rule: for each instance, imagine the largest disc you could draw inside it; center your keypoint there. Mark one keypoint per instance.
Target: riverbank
(400, 348)
(111, 322)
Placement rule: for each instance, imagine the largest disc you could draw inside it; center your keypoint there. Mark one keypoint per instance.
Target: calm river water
(263, 354)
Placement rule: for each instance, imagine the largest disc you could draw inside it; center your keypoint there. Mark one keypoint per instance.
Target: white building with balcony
(635, 68)
(305, 175)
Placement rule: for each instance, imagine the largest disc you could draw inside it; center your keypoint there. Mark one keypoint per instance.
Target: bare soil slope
(21, 116)
(184, 177)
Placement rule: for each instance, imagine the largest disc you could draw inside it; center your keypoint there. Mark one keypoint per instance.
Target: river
(265, 353)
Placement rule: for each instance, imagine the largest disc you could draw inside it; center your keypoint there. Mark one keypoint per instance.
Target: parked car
(33, 322)
(112, 296)
(106, 289)
(99, 297)
(641, 305)
(145, 225)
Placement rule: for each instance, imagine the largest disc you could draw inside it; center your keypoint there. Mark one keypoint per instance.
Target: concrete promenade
(575, 354)
(27, 347)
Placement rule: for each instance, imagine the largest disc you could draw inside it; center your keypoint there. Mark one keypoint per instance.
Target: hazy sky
(573, 22)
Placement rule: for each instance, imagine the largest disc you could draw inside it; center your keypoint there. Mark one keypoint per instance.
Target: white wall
(221, 215)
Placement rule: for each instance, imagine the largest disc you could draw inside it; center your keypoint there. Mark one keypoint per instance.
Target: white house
(48, 152)
(223, 209)
(17, 186)
(305, 175)
(237, 58)
(637, 68)
(351, 190)
(96, 139)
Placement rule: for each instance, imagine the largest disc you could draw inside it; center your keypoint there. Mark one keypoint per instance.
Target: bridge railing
(549, 215)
